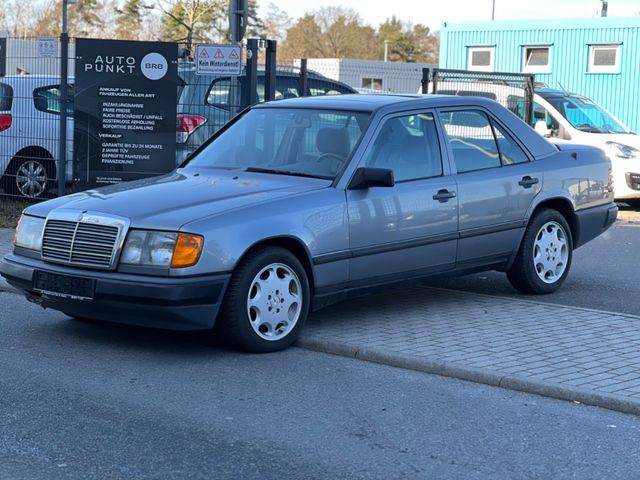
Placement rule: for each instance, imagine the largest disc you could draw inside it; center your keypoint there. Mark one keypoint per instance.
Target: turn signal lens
(187, 250)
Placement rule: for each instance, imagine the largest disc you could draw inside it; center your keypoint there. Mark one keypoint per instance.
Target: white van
(567, 117)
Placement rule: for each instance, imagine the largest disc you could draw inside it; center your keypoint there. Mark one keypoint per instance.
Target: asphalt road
(604, 275)
(93, 401)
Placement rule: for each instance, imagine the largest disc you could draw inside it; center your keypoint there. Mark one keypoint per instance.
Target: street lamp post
(64, 93)
(386, 49)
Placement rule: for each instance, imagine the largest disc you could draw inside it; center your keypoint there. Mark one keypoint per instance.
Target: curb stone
(476, 375)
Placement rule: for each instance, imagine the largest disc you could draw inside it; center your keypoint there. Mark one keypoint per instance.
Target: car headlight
(622, 151)
(29, 233)
(161, 249)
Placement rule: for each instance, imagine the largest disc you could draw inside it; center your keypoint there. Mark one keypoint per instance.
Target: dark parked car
(206, 103)
(301, 202)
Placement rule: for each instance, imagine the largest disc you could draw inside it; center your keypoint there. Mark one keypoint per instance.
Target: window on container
(604, 58)
(481, 59)
(537, 59)
(372, 83)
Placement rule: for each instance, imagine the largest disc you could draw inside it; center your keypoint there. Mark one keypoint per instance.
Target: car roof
(374, 102)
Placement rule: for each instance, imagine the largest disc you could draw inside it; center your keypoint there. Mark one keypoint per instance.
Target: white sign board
(47, 46)
(218, 60)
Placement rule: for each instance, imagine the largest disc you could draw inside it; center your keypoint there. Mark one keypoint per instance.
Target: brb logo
(154, 66)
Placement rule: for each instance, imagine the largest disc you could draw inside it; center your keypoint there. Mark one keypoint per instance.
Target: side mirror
(365, 177)
(542, 129)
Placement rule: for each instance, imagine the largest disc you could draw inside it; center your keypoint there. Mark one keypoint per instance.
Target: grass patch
(10, 210)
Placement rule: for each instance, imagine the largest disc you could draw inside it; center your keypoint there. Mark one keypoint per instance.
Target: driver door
(409, 229)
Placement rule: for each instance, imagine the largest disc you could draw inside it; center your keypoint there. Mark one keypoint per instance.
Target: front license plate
(64, 286)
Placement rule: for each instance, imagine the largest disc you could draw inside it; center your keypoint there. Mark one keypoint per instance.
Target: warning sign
(218, 60)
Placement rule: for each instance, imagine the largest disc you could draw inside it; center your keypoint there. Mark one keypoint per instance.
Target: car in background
(302, 202)
(206, 102)
(567, 117)
(29, 133)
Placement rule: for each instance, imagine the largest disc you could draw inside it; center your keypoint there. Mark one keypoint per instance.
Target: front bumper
(190, 303)
(591, 222)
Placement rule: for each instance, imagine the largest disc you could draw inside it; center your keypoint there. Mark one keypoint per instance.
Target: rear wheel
(267, 302)
(543, 261)
(30, 177)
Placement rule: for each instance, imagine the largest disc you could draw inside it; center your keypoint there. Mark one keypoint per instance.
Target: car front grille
(82, 243)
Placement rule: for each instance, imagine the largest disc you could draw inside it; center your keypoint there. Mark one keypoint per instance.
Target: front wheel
(545, 254)
(267, 302)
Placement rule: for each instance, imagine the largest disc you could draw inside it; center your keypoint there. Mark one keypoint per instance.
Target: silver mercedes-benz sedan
(298, 203)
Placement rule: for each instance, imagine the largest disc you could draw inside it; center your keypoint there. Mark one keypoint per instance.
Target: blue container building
(598, 58)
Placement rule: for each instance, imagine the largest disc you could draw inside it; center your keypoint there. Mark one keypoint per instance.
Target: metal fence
(30, 110)
(513, 90)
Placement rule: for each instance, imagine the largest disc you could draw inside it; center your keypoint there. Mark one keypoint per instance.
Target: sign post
(125, 110)
(3, 56)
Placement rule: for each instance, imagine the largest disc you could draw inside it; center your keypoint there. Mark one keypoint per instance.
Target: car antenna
(564, 90)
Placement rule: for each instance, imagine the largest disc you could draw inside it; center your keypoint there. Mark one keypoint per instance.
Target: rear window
(6, 97)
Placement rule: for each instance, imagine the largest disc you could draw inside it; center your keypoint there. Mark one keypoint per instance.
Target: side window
(47, 99)
(323, 87)
(409, 146)
(471, 138)
(510, 151)
(541, 113)
(218, 94)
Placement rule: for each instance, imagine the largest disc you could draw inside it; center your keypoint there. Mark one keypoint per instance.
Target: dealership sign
(218, 60)
(125, 110)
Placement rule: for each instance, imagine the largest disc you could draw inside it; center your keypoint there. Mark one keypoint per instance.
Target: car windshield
(288, 141)
(586, 115)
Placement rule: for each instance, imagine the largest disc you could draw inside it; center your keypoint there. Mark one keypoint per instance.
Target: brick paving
(565, 346)
(500, 340)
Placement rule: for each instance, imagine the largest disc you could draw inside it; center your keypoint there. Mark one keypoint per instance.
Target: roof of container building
(556, 23)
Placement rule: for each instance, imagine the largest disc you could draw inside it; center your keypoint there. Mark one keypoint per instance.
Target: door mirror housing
(366, 177)
(542, 129)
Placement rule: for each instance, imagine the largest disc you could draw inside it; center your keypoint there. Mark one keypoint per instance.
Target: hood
(185, 195)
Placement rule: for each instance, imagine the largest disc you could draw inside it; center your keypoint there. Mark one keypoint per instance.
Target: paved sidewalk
(564, 352)
(570, 353)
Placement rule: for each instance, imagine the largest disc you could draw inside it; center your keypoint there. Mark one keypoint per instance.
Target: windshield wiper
(285, 172)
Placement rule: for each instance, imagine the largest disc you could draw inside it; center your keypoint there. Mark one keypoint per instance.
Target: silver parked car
(298, 203)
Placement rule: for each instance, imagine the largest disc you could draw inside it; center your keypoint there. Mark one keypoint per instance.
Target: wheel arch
(293, 245)
(35, 152)
(565, 208)
(560, 204)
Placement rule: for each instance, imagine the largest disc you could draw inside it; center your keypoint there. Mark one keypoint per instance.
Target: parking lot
(581, 343)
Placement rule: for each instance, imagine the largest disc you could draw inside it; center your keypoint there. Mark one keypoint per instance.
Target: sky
(433, 12)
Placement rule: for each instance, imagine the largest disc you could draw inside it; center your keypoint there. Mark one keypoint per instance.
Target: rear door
(409, 229)
(497, 182)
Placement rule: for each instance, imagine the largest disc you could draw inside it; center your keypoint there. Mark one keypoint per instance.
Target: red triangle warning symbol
(233, 54)
(219, 54)
(204, 53)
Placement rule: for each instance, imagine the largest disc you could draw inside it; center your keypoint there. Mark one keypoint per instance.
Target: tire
(554, 254)
(30, 177)
(266, 303)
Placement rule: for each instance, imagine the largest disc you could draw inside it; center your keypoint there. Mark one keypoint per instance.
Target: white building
(371, 75)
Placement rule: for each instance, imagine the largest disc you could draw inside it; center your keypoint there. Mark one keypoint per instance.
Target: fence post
(303, 77)
(528, 101)
(64, 93)
(250, 85)
(434, 80)
(426, 74)
(270, 71)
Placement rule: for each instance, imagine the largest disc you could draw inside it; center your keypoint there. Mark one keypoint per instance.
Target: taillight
(186, 125)
(610, 182)
(5, 121)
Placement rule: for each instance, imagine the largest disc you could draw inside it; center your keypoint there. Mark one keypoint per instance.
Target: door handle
(528, 182)
(444, 195)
